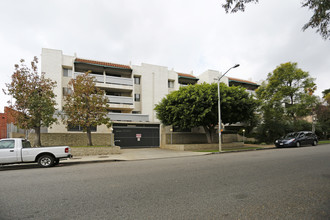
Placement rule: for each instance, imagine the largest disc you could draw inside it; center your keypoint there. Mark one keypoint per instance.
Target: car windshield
(291, 135)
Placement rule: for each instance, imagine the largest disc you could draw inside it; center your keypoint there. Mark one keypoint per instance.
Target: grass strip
(324, 142)
(234, 149)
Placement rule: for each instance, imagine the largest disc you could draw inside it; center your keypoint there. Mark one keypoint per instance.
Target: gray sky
(187, 35)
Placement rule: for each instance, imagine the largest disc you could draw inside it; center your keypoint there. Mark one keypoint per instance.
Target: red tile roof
(79, 60)
(187, 75)
(241, 80)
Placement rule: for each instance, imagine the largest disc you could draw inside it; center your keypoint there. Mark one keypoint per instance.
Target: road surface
(291, 183)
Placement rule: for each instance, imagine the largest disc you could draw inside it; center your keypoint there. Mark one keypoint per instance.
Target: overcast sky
(186, 35)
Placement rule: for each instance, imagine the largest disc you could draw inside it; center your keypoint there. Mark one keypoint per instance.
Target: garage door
(136, 135)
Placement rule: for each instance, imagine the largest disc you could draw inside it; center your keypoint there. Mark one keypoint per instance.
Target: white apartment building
(211, 76)
(132, 91)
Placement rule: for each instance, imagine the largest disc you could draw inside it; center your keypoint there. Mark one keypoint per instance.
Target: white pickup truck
(18, 150)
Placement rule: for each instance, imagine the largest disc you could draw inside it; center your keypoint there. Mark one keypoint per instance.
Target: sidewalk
(134, 154)
(147, 154)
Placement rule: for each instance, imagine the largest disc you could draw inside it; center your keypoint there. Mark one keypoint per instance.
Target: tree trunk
(89, 135)
(208, 132)
(37, 139)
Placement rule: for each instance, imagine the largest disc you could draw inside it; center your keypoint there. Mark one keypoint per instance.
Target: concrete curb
(88, 161)
(98, 160)
(243, 150)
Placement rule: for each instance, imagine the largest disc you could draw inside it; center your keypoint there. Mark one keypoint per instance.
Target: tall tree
(34, 98)
(197, 105)
(285, 97)
(323, 113)
(290, 90)
(319, 20)
(326, 96)
(86, 106)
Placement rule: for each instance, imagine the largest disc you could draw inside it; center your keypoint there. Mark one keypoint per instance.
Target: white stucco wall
(209, 77)
(52, 63)
(154, 86)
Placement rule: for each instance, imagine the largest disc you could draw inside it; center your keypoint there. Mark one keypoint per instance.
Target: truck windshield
(26, 144)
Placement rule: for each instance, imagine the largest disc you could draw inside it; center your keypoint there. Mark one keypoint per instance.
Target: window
(79, 128)
(170, 84)
(26, 144)
(137, 97)
(113, 93)
(115, 111)
(136, 112)
(137, 80)
(67, 72)
(7, 144)
(67, 91)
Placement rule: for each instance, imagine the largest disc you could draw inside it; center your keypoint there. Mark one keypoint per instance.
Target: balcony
(120, 102)
(128, 117)
(114, 82)
(120, 99)
(119, 80)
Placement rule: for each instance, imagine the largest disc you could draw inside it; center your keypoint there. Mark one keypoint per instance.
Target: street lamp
(243, 135)
(171, 130)
(219, 110)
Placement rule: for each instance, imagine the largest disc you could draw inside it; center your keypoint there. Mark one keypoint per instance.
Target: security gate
(136, 135)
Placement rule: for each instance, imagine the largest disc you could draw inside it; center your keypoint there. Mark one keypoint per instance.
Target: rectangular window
(137, 80)
(79, 128)
(137, 97)
(113, 93)
(136, 112)
(67, 91)
(67, 72)
(115, 111)
(7, 144)
(26, 144)
(170, 84)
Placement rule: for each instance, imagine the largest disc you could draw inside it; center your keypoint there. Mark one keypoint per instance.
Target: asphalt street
(290, 183)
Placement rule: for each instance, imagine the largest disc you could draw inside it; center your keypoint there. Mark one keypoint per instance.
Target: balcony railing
(120, 99)
(119, 80)
(109, 79)
(128, 117)
(98, 78)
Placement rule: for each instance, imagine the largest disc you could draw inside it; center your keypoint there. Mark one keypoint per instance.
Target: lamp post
(243, 135)
(171, 130)
(219, 109)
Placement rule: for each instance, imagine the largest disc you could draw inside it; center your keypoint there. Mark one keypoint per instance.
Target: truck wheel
(46, 161)
(298, 144)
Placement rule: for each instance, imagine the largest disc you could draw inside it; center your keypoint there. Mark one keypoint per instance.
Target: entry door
(8, 153)
(140, 136)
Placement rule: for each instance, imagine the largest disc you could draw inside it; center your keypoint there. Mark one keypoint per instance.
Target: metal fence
(13, 129)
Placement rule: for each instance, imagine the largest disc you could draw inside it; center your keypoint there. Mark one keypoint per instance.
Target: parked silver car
(297, 139)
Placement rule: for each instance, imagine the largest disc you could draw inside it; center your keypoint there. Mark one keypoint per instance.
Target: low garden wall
(198, 138)
(73, 139)
(91, 151)
(199, 147)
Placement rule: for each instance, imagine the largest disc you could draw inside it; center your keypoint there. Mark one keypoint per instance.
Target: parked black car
(297, 139)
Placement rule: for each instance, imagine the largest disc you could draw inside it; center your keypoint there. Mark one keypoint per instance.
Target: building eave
(186, 77)
(102, 64)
